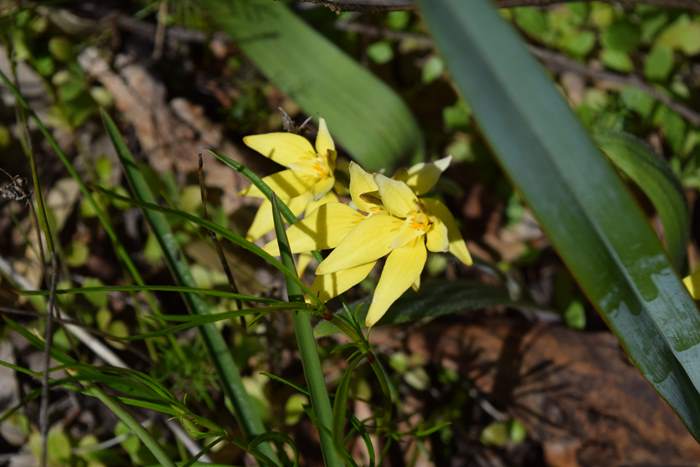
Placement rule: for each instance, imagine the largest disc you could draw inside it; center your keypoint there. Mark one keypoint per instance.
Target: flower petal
(437, 238)
(327, 286)
(362, 184)
(324, 228)
(457, 245)
(322, 187)
(401, 270)
(324, 143)
(284, 148)
(263, 221)
(302, 263)
(315, 204)
(368, 241)
(396, 196)
(692, 283)
(422, 177)
(286, 184)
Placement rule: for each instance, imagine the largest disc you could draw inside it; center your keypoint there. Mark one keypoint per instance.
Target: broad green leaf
(658, 182)
(581, 203)
(363, 114)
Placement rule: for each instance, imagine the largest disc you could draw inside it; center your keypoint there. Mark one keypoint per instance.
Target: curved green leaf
(658, 182)
(441, 298)
(322, 79)
(582, 204)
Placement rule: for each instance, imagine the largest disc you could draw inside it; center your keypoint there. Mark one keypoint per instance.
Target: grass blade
(582, 204)
(322, 79)
(232, 385)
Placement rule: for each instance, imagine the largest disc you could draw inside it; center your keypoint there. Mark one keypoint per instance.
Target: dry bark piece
(170, 134)
(576, 392)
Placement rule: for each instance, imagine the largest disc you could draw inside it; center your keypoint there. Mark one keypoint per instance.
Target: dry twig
(392, 5)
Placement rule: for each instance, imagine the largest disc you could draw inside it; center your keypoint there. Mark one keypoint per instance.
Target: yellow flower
(389, 220)
(308, 180)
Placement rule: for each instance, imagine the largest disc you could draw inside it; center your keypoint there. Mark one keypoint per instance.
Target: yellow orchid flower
(304, 185)
(409, 228)
(386, 218)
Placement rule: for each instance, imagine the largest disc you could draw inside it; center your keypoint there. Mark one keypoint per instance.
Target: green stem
(310, 360)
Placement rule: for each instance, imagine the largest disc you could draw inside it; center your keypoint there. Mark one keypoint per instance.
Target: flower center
(419, 221)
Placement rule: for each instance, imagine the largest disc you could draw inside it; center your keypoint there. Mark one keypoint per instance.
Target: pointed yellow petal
(396, 196)
(437, 238)
(363, 189)
(329, 197)
(368, 241)
(416, 285)
(457, 245)
(327, 286)
(284, 148)
(285, 184)
(422, 177)
(324, 142)
(322, 187)
(324, 228)
(302, 263)
(402, 268)
(692, 283)
(263, 221)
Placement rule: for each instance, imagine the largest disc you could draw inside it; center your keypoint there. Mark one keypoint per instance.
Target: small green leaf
(5, 137)
(98, 299)
(638, 100)
(672, 126)
(517, 431)
(456, 116)
(495, 434)
(380, 52)
(398, 20)
(683, 34)
(77, 254)
(658, 63)
(617, 60)
(44, 65)
(575, 315)
(579, 43)
(103, 318)
(621, 36)
(61, 49)
(432, 69)
(294, 408)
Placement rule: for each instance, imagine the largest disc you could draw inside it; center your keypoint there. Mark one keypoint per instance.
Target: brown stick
(391, 5)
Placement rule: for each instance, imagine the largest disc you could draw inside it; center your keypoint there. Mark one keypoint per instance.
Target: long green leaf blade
(590, 217)
(322, 79)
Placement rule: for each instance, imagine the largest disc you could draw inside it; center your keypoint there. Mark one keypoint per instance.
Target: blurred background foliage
(180, 67)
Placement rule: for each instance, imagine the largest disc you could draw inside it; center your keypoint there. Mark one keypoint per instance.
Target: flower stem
(311, 362)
